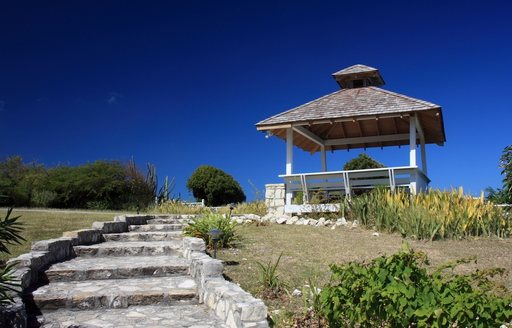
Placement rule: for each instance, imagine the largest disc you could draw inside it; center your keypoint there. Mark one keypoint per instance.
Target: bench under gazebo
(360, 115)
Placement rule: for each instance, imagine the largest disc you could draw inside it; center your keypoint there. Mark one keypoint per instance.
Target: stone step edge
(156, 227)
(175, 297)
(129, 248)
(72, 295)
(185, 316)
(62, 275)
(144, 236)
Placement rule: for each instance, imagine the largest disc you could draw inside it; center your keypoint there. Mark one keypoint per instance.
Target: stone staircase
(137, 278)
(135, 271)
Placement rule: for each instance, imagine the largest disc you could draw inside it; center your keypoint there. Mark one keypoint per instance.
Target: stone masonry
(135, 271)
(275, 198)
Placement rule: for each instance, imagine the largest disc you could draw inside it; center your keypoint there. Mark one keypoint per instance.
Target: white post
(412, 141)
(412, 152)
(324, 159)
(289, 151)
(423, 157)
(289, 161)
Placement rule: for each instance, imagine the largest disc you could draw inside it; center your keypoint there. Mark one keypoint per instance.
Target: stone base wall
(275, 194)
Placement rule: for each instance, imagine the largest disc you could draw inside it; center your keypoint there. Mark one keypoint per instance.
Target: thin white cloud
(114, 98)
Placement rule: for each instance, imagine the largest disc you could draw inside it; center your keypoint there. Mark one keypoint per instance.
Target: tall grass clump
(432, 215)
(200, 227)
(268, 276)
(179, 207)
(257, 207)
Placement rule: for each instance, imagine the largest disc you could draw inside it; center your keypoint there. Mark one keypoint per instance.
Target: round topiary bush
(362, 162)
(215, 186)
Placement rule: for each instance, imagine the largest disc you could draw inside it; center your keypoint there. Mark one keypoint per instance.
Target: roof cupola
(358, 76)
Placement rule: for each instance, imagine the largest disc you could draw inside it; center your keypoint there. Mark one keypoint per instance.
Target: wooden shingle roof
(355, 69)
(351, 103)
(355, 113)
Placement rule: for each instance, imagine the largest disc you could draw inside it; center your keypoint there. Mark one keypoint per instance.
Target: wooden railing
(348, 181)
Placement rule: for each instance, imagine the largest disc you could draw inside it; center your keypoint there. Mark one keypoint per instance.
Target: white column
(412, 141)
(289, 151)
(423, 157)
(324, 159)
(412, 152)
(289, 161)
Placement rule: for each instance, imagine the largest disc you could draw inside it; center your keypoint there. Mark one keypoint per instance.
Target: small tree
(362, 162)
(506, 165)
(215, 186)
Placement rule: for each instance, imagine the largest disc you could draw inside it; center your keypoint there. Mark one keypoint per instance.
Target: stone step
(172, 220)
(134, 317)
(143, 236)
(156, 227)
(116, 293)
(134, 248)
(99, 268)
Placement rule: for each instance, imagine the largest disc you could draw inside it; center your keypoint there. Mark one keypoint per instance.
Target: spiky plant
(10, 234)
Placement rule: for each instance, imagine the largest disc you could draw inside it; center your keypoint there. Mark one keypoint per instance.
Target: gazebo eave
(360, 132)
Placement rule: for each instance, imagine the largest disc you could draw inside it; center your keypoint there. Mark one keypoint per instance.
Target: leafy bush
(215, 186)
(19, 180)
(102, 184)
(432, 215)
(397, 291)
(362, 162)
(201, 226)
(497, 196)
(10, 230)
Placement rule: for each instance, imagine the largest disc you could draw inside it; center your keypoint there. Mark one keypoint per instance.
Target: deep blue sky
(182, 83)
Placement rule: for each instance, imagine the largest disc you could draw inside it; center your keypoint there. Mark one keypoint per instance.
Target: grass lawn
(47, 224)
(308, 251)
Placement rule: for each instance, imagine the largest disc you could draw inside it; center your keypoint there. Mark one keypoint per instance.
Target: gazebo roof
(363, 117)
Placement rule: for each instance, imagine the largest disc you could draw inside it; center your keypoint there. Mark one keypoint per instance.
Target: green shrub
(432, 215)
(201, 226)
(397, 291)
(215, 186)
(362, 162)
(102, 184)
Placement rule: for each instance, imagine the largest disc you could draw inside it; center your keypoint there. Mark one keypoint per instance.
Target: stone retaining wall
(230, 302)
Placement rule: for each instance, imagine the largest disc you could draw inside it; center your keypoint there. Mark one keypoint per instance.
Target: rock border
(294, 220)
(231, 303)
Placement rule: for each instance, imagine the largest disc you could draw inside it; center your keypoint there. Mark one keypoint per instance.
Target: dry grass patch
(47, 224)
(308, 251)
